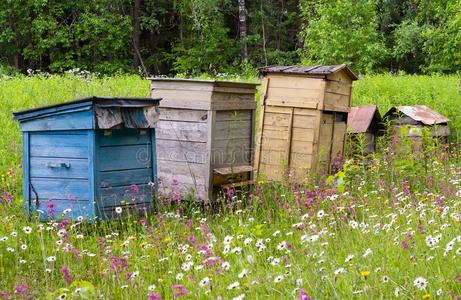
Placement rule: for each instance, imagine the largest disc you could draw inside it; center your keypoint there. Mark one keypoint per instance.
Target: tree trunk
(136, 33)
(243, 29)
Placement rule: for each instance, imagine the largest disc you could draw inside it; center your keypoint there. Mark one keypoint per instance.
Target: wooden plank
(273, 157)
(289, 137)
(49, 167)
(233, 115)
(336, 102)
(272, 132)
(261, 121)
(185, 180)
(270, 144)
(171, 150)
(182, 104)
(294, 102)
(233, 129)
(58, 145)
(338, 87)
(119, 137)
(294, 81)
(182, 86)
(125, 177)
(71, 121)
(309, 94)
(231, 156)
(26, 172)
(213, 125)
(123, 195)
(234, 90)
(301, 160)
(232, 143)
(301, 147)
(182, 131)
(93, 159)
(278, 109)
(272, 172)
(306, 112)
(233, 169)
(304, 134)
(184, 95)
(61, 189)
(124, 157)
(233, 105)
(276, 119)
(340, 76)
(183, 115)
(301, 121)
(181, 168)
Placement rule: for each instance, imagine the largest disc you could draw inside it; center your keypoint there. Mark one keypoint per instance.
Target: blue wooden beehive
(89, 158)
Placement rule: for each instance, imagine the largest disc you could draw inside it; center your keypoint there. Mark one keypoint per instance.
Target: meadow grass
(385, 226)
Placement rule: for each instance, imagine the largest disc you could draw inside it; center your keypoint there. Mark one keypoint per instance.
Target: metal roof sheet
(308, 70)
(360, 118)
(420, 113)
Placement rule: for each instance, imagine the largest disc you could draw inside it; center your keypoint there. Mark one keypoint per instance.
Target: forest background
(193, 37)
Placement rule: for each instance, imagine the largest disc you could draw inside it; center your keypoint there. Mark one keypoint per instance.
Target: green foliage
(442, 37)
(342, 31)
(204, 46)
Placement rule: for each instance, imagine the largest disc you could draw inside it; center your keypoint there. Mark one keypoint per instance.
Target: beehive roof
(309, 70)
(100, 101)
(420, 113)
(360, 118)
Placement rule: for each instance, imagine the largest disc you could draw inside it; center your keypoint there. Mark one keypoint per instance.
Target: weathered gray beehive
(365, 120)
(204, 135)
(302, 119)
(415, 118)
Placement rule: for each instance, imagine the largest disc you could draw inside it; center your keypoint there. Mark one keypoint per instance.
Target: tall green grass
(438, 92)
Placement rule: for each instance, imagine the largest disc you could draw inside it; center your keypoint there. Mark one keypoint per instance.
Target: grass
(387, 230)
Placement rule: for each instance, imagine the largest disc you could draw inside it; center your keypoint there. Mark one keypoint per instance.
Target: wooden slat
(171, 150)
(336, 102)
(233, 169)
(181, 131)
(309, 94)
(232, 129)
(302, 147)
(183, 115)
(59, 145)
(118, 137)
(294, 81)
(39, 167)
(233, 115)
(294, 102)
(277, 109)
(338, 87)
(123, 195)
(301, 121)
(124, 177)
(71, 121)
(233, 104)
(182, 86)
(61, 189)
(124, 157)
(304, 134)
(276, 119)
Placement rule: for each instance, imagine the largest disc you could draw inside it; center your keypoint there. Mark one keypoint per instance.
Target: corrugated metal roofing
(309, 70)
(420, 113)
(360, 117)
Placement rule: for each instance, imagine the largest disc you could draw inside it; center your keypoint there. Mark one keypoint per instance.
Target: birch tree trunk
(243, 29)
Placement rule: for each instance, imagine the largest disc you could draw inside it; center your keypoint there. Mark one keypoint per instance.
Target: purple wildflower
(179, 290)
(66, 274)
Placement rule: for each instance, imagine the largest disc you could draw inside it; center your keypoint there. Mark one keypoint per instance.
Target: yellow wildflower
(365, 274)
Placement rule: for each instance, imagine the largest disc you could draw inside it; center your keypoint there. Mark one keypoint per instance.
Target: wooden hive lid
(319, 70)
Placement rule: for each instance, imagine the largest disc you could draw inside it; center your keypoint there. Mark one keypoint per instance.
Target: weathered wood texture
(72, 166)
(203, 125)
(302, 124)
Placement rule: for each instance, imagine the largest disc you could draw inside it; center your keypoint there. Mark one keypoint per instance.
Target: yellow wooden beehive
(302, 120)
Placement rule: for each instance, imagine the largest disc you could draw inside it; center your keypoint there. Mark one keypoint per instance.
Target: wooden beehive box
(89, 158)
(302, 119)
(365, 120)
(205, 135)
(414, 118)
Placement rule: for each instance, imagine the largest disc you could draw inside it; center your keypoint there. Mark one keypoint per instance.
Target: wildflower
(242, 274)
(397, 292)
(27, 230)
(153, 296)
(151, 287)
(205, 281)
(439, 292)
(420, 283)
(233, 285)
(228, 239)
(239, 297)
(365, 274)
(4, 239)
(80, 219)
(303, 295)
(62, 233)
(225, 265)
(385, 279)
(426, 296)
(349, 258)
(367, 252)
(247, 241)
(236, 250)
(339, 271)
(250, 259)
(51, 258)
(118, 210)
(9, 249)
(179, 276)
(278, 278)
(66, 274)
(14, 234)
(23, 247)
(320, 214)
(299, 282)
